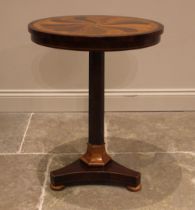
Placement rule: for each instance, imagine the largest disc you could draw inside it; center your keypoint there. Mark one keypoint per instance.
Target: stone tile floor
(161, 145)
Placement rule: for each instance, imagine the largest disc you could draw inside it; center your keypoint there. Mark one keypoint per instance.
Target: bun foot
(134, 189)
(57, 188)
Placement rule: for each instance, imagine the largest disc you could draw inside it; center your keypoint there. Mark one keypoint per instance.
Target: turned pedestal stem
(95, 166)
(96, 152)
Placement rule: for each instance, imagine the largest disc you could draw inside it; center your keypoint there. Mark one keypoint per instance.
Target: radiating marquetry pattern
(95, 26)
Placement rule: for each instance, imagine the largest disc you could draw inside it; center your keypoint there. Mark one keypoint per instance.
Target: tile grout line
(22, 142)
(40, 153)
(43, 189)
(117, 153)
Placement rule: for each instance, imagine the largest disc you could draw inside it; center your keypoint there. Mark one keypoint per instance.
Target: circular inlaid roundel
(95, 25)
(95, 32)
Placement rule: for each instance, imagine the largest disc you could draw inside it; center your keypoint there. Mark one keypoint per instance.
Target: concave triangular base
(79, 173)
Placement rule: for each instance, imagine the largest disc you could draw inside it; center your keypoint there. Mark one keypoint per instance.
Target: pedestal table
(96, 34)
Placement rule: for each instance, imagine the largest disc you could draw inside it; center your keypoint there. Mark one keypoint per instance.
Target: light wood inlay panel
(97, 26)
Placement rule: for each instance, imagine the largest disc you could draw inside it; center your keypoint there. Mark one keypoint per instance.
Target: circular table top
(95, 32)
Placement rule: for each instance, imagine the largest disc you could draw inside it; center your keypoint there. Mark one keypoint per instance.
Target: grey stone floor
(161, 145)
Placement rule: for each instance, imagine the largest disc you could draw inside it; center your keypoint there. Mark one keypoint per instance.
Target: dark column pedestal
(95, 166)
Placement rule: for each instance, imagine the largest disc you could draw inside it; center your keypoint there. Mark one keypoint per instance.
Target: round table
(96, 34)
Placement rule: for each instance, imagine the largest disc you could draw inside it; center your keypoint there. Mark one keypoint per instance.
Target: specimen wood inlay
(96, 32)
(95, 25)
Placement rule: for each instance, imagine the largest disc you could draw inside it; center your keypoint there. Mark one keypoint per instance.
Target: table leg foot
(134, 189)
(57, 188)
(79, 173)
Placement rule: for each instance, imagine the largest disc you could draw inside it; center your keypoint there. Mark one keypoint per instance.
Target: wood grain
(95, 32)
(97, 26)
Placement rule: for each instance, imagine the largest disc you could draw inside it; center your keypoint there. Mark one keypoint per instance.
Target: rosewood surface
(95, 32)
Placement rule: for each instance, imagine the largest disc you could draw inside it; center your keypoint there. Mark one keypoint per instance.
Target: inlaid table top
(95, 32)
